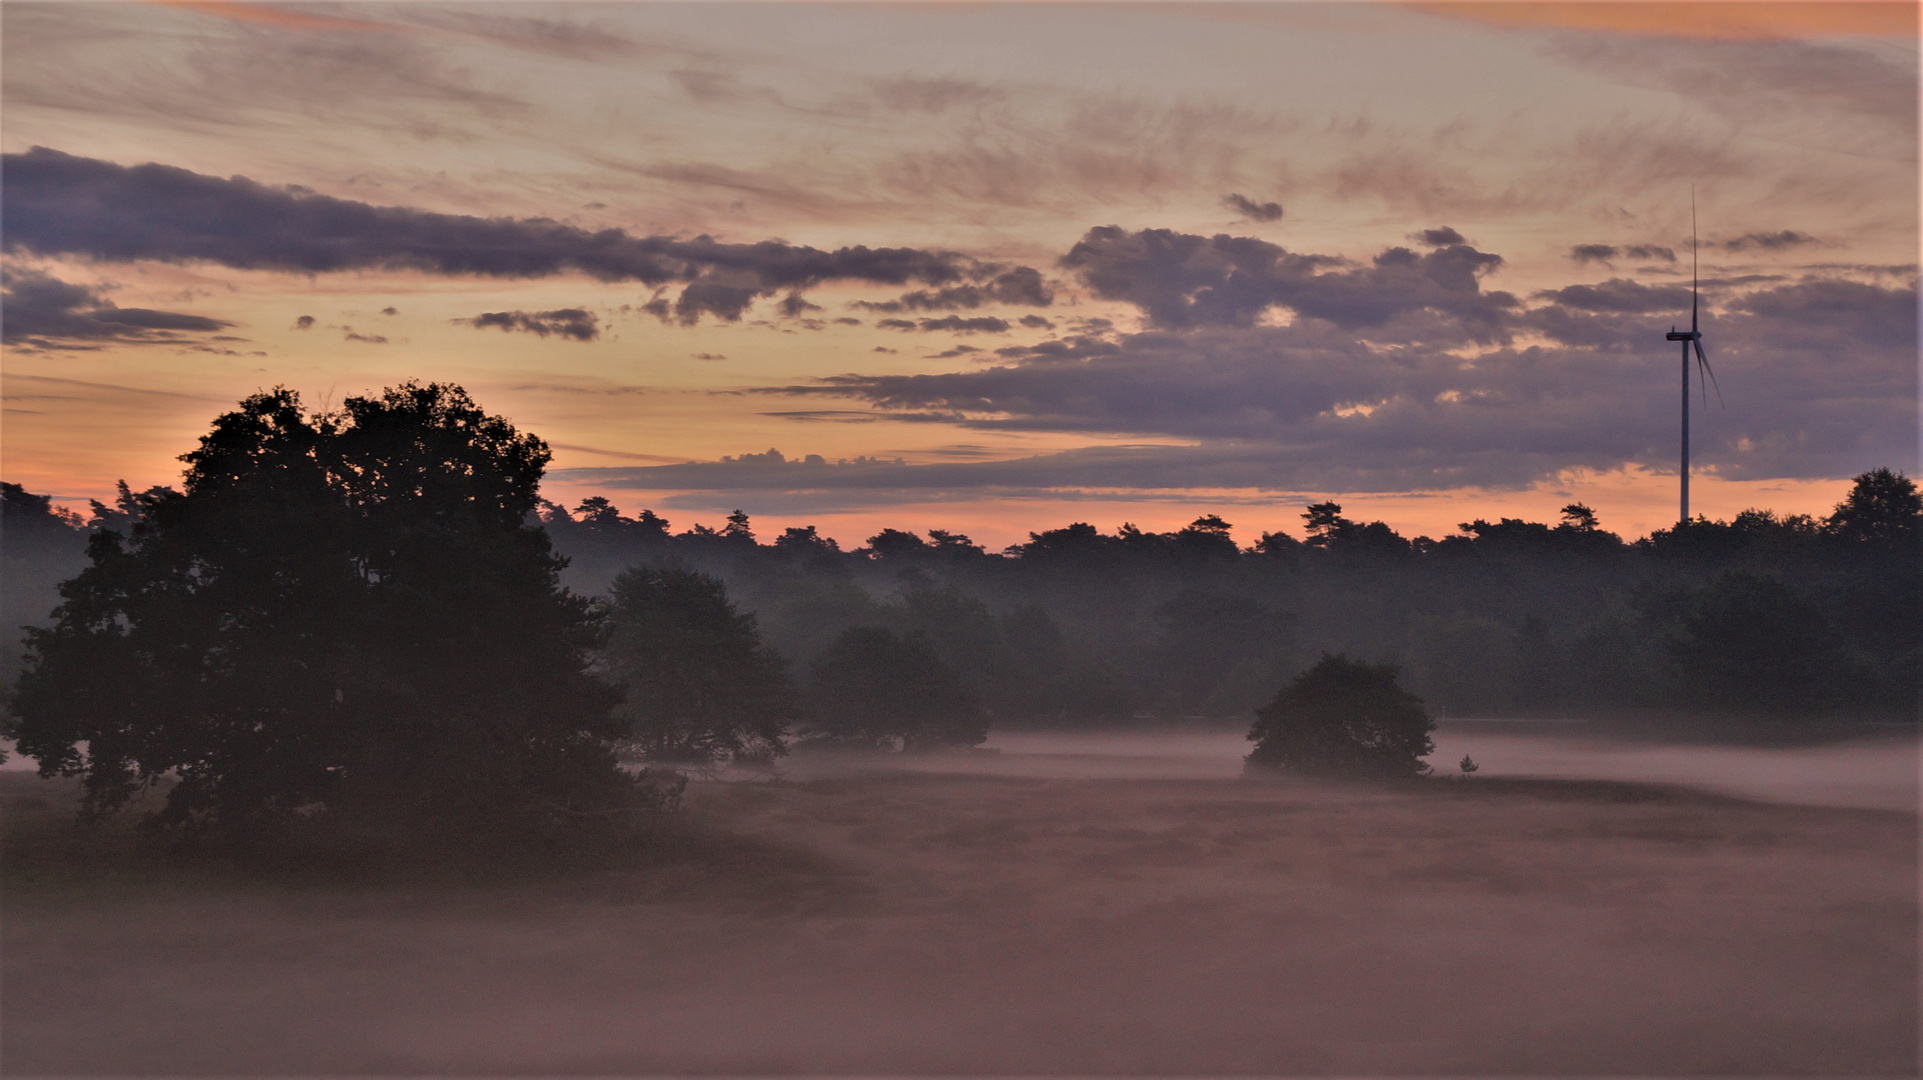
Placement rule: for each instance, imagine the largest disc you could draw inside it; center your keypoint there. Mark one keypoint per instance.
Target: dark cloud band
(60, 204)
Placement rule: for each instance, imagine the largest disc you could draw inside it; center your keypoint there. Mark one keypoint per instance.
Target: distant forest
(1761, 616)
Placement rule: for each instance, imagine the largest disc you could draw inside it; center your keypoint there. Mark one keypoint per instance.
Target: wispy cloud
(1762, 81)
(1780, 240)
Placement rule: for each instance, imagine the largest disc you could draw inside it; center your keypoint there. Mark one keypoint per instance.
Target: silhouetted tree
(700, 687)
(1882, 506)
(803, 546)
(127, 509)
(1579, 518)
(597, 511)
(22, 513)
(953, 543)
(1077, 544)
(40, 546)
(1276, 545)
(1206, 537)
(1328, 529)
(896, 544)
(879, 689)
(1325, 524)
(1343, 717)
(344, 611)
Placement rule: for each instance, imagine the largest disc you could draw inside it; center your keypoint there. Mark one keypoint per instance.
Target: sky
(985, 267)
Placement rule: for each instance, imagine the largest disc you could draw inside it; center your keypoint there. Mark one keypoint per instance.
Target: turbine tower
(1692, 336)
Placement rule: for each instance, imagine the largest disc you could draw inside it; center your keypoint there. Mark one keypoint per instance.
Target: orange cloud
(268, 15)
(1724, 19)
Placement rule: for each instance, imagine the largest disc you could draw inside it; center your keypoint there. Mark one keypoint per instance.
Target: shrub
(1343, 717)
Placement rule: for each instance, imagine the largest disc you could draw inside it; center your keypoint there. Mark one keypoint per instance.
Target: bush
(1346, 718)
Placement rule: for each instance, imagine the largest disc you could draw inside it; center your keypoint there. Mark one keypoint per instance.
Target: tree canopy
(878, 689)
(700, 687)
(341, 611)
(1344, 717)
(1881, 506)
(1078, 625)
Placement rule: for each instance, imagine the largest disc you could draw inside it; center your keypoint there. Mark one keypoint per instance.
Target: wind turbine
(1692, 336)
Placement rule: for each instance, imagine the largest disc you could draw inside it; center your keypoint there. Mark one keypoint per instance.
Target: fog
(1063, 904)
(1870, 772)
(389, 834)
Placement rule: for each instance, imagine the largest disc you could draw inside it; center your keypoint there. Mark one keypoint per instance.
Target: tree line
(1763, 615)
(371, 611)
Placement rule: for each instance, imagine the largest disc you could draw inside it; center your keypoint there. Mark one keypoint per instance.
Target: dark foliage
(24, 514)
(341, 612)
(1328, 529)
(1343, 718)
(1081, 626)
(700, 687)
(1217, 650)
(1747, 643)
(878, 689)
(1883, 507)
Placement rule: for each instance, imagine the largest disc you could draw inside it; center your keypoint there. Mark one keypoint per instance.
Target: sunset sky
(986, 267)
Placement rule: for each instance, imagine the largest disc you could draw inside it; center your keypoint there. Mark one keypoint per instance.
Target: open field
(999, 916)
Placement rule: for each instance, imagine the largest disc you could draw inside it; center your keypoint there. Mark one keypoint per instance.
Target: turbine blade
(1702, 364)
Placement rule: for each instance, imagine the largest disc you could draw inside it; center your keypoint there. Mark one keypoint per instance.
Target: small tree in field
(1343, 717)
(701, 688)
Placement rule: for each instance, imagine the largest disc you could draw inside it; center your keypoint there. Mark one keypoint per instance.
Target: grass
(895, 922)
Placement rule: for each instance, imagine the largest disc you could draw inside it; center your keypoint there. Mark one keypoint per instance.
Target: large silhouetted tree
(701, 688)
(1343, 717)
(342, 611)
